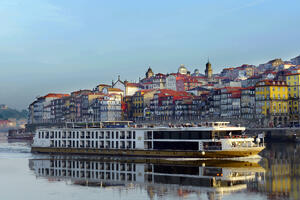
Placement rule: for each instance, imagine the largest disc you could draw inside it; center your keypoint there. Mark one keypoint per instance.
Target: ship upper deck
(128, 125)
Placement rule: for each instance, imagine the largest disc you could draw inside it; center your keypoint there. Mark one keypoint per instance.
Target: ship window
(128, 145)
(176, 145)
(117, 135)
(133, 135)
(117, 144)
(134, 144)
(122, 145)
(182, 135)
(212, 171)
(107, 144)
(149, 135)
(107, 166)
(129, 135)
(112, 135)
(122, 135)
(212, 145)
(112, 144)
(39, 134)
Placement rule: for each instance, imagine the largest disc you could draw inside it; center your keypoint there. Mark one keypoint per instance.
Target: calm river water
(43, 177)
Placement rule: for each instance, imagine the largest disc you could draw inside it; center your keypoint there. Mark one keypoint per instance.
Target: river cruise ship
(205, 140)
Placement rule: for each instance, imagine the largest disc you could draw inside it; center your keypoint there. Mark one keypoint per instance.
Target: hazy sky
(65, 45)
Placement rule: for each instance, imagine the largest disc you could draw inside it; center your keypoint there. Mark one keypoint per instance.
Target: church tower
(208, 70)
(149, 73)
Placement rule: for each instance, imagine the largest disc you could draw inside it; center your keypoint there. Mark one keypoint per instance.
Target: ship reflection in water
(214, 178)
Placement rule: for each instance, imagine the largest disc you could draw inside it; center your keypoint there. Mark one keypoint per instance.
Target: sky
(61, 46)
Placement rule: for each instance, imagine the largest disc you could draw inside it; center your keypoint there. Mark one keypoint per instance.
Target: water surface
(35, 177)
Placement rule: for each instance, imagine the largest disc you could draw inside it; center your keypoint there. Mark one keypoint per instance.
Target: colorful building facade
(272, 102)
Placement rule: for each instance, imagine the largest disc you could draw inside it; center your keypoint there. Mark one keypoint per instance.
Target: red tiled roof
(272, 82)
(5, 121)
(54, 95)
(160, 75)
(227, 69)
(114, 90)
(290, 74)
(236, 95)
(132, 84)
(144, 91)
(232, 88)
(104, 85)
(248, 88)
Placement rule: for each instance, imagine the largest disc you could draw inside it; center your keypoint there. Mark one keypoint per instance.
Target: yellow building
(293, 82)
(271, 102)
(141, 100)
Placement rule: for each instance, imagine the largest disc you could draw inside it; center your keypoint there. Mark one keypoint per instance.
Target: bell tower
(208, 70)
(149, 73)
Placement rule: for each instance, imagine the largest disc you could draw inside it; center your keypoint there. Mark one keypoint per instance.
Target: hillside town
(266, 95)
(11, 118)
